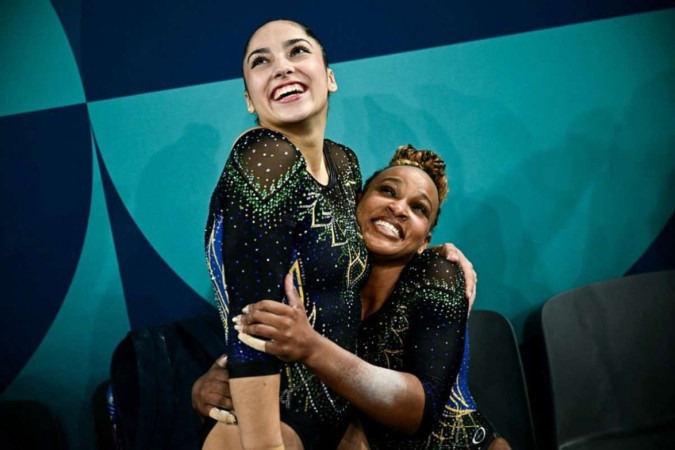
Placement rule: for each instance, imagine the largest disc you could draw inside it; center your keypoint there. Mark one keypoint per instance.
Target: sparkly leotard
(269, 217)
(462, 426)
(421, 329)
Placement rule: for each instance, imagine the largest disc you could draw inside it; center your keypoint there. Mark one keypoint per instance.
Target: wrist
(314, 344)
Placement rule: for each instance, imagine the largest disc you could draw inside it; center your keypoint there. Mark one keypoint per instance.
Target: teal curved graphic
(560, 153)
(72, 360)
(39, 70)
(542, 161)
(165, 152)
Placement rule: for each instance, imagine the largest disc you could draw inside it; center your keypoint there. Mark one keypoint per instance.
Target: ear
(332, 84)
(249, 104)
(424, 246)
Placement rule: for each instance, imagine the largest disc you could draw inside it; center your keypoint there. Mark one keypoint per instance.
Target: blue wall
(556, 121)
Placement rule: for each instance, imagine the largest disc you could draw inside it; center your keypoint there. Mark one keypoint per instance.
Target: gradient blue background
(556, 119)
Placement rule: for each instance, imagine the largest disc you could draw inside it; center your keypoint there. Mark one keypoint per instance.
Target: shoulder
(266, 159)
(259, 139)
(431, 270)
(341, 154)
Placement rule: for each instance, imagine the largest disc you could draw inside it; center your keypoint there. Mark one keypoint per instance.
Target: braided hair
(428, 161)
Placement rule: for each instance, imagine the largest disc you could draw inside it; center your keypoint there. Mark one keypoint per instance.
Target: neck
(378, 288)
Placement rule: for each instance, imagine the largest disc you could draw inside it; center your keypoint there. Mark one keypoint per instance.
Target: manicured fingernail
(238, 327)
(245, 310)
(236, 319)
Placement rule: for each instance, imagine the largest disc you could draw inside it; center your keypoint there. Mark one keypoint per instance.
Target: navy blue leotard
(421, 329)
(269, 216)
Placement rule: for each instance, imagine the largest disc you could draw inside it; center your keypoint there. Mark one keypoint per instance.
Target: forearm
(395, 399)
(256, 400)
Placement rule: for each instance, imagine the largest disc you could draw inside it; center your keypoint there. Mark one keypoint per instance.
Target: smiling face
(287, 80)
(396, 213)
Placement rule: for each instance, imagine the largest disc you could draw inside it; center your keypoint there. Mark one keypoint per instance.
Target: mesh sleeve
(435, 345)
(250, 234)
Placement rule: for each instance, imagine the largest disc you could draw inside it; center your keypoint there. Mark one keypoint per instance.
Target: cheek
(421, 230)
(255, 87)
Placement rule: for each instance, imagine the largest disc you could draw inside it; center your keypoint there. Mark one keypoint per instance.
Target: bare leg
(354, 438)
(226, 437)
(499, 444)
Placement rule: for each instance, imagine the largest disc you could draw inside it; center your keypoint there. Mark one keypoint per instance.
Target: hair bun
(427, 160)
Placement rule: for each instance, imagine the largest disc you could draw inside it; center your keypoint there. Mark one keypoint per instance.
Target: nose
(398, 209)
(283, 68)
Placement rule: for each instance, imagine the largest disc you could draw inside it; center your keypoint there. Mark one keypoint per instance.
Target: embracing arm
(393, 398)
(453, 254)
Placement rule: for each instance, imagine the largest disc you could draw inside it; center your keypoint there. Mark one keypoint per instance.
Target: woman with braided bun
(409, 382)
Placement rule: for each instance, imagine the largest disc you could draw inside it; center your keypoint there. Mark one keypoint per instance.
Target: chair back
(611, 354)
(497, 379)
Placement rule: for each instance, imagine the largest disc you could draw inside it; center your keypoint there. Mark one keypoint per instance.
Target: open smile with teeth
(389, 228)
(287, 90)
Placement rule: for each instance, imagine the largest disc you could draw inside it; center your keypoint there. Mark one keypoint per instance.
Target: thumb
(222, 361)
(292, 295)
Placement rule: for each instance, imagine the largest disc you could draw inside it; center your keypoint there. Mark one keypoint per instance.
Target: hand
(453, 254)
(287, 327)
(211, 393)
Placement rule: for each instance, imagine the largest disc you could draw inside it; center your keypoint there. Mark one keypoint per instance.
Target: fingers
(471, 296)
(292, 294)
(471, 285)
(252, 342)
(260, 330)
(263, 324)
(210, 395)
(223, 416)
(451, 252)
(470, 275)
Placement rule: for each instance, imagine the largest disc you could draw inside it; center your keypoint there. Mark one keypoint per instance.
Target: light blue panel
(38, 67)
(560, 146)
(165, 152)
(74, 357)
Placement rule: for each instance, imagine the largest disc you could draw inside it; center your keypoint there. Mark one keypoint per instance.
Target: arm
(393, 398)
(432, 351)
(252, 219)
(434, 346)
(453, 254)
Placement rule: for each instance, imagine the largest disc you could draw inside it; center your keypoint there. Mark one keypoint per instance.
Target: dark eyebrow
(290, 42)
(394, 180)
(259, 50)
(286, 44)
(398, 181)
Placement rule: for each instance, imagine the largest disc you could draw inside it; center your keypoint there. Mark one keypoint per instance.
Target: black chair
(497, 380)
(27, 425)
(151, 374)
(611, 354)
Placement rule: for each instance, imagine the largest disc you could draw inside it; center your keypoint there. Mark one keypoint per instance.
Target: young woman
(285, 202)
(414, 322)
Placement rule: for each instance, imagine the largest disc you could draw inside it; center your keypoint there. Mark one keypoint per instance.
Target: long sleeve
(435, 344)
(250, 232)
(420, 330)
